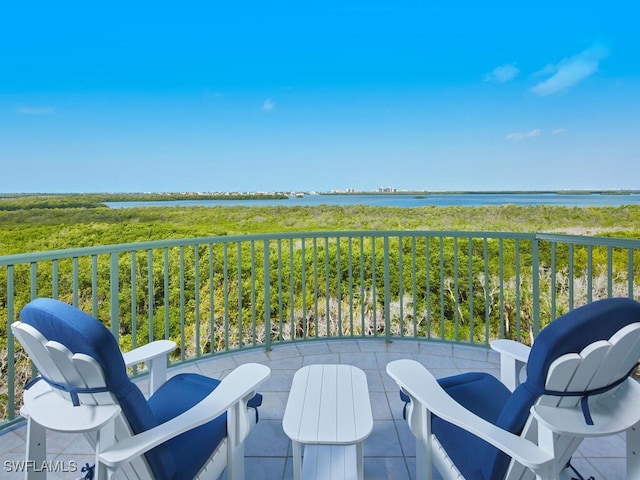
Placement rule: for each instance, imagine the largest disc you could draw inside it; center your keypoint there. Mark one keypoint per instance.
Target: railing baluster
(571, 277)
(487, 291)
(630, 278)
(181, 309)
(442, 305)
(338, 285)
(212, 304)
(267, 296)
(470, 267)
(350, 266)
(75, 274)
(387, 295)
(414, 281)
(609, 271)
(11, 374)
(240, 293)
(316, 323)
(134, 303)
(535, 286)
(196, 295)
(253, 292)
(280, 313)
(166, 292)
(518, 303)
(225, 293)
(94, 285)
(427, 262)
(114, 286)
(454, 292)
(327, 292)
(150, 295)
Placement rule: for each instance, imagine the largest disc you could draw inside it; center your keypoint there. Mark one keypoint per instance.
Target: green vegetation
(98, 200)
(211, 297)
(33, 229)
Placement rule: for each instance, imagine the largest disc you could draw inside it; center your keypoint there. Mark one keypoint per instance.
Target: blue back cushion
(570, 333)
(81, 333)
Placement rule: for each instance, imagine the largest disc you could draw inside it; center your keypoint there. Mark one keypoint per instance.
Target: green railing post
(535, 285)
(11, 376)
(387, 294)
(267, 297)
(114, 289)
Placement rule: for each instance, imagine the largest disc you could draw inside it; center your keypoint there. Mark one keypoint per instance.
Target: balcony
(288, 300)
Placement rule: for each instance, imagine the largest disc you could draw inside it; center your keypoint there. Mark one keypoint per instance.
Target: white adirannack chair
(191, 426)
(578, 384)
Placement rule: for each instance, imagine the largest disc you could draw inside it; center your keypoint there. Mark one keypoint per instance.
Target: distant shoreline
(168, 196)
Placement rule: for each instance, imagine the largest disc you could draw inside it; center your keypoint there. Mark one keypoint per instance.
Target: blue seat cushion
(484, 395)
(193, 448)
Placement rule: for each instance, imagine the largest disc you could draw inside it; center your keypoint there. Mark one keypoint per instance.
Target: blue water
(440, 200)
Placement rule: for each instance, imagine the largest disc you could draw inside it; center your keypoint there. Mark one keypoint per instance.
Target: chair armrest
(148, 352)
(233, 389)
(154, 356)
(513, 356)
(417, 382)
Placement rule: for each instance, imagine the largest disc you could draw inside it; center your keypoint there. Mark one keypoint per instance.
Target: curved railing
(220, 294)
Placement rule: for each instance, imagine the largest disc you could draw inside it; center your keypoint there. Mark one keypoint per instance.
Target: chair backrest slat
(92, 376)
(34, 344)
(627, 353)
(560, 373)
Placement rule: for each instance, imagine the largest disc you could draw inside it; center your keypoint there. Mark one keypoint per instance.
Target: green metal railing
(221, 294)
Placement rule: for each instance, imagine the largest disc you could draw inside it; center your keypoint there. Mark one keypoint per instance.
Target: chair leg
(36, 453)
(633, 452)
(419, 420)
(235, 445)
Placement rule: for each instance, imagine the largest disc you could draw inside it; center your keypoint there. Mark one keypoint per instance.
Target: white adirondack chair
(190, 427)
(577, 385)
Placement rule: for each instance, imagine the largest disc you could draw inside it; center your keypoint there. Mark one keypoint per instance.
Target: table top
(328, 405)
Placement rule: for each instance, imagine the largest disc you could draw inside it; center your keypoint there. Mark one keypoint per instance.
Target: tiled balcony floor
(389, 451)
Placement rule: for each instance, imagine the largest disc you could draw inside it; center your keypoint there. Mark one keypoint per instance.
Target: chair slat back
(597, 365)
(34, 344)
(574, 373)
(55, 362)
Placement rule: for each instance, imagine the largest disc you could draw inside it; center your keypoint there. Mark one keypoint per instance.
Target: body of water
(439, 200)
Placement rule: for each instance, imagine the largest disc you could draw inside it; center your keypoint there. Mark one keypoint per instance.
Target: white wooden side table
(328, 411)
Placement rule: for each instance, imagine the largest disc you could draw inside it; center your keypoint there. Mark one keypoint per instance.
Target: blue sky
(226, 96)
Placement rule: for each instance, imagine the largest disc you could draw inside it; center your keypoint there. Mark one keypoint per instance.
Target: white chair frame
(556, 425)
(118, 453)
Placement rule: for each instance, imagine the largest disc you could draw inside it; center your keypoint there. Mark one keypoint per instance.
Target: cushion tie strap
(584, 401)
(72, 391)
(90, 471)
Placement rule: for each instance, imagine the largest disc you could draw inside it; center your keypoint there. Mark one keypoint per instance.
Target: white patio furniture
(578, 384)
(191, 426)
(329, 412)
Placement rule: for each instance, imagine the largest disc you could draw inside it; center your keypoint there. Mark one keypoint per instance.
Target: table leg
(359, 460)
(297, 459)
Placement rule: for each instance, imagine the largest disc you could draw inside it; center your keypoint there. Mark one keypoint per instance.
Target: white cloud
(558, 131)
(268, 105)
(570, 71)
(35, 110)
(502, 74)
(517, 136)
